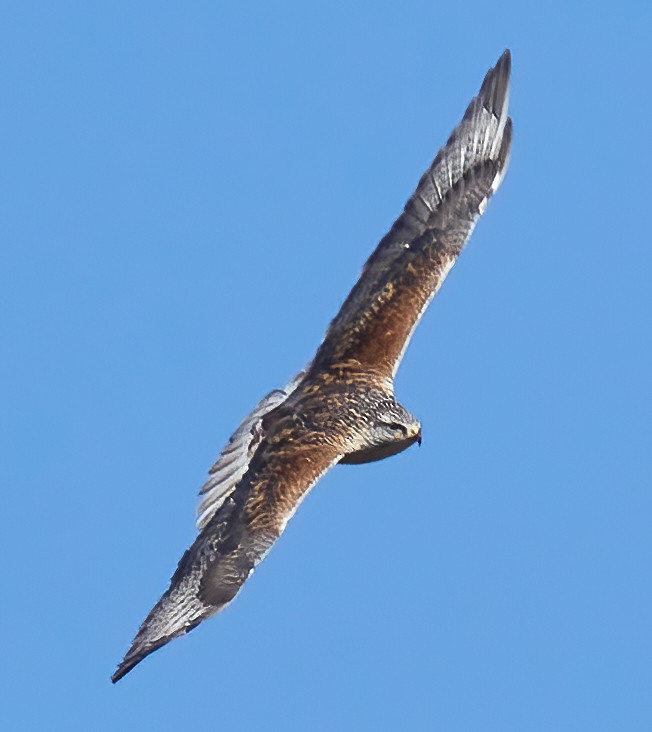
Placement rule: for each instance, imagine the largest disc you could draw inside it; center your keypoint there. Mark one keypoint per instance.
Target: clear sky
(188, 191)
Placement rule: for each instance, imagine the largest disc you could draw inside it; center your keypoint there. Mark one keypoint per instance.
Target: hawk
(341, 408)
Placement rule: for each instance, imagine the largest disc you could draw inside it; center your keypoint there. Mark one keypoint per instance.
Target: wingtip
(129, 662)
(494, 91)
(122, 670)
(503, 67)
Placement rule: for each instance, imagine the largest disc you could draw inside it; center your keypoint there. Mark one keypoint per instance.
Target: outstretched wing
(284, 467)
(374, 325)
(234, 459)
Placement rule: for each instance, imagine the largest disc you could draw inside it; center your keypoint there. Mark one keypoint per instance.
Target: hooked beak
(419, 438)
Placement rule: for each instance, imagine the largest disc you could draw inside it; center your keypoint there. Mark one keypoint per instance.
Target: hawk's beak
(419, 438)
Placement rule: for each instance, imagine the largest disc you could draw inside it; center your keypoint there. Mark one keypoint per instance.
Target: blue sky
(188, 191)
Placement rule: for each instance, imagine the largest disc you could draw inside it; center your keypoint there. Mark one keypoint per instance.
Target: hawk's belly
(377, 452)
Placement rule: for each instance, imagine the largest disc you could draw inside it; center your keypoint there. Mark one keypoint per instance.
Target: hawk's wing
(284, 467)
(233, 461)
(400, 278)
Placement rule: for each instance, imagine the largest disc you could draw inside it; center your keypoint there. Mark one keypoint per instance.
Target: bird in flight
(341, 408)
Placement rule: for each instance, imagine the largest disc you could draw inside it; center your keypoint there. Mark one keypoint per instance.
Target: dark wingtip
(503, 67)
(128, 663)
(122, 670)
(495, 87)
(505, 148)
(141, 648)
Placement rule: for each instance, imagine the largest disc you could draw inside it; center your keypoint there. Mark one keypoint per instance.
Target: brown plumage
(341, 408)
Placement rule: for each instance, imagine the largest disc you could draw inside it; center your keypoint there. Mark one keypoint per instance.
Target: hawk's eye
(399, 427)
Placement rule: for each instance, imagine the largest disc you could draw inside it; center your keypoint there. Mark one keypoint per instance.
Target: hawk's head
(386, 430)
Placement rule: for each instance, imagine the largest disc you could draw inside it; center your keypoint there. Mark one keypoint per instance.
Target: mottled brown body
(305, 435)
(342, 407)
